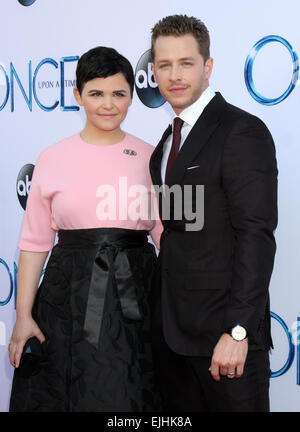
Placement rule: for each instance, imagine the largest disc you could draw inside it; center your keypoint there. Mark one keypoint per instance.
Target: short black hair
(102, 62)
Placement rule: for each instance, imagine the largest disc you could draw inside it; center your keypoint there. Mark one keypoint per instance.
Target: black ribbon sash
(111, 269)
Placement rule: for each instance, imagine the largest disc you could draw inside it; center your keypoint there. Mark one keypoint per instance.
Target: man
(211, 320)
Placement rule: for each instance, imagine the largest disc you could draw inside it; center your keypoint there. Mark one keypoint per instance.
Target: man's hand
(228, 358)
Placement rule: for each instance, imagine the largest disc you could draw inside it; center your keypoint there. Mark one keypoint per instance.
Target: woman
(87, 328)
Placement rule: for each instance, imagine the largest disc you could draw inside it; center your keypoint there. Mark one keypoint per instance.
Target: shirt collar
(191, 114)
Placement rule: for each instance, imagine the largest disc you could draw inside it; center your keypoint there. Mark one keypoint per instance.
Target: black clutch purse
(32, 358)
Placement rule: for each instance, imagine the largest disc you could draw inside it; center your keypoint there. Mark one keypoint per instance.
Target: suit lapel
(197, 138)
(155, 160)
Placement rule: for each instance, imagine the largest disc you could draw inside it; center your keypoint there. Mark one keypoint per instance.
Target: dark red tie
(175, 143)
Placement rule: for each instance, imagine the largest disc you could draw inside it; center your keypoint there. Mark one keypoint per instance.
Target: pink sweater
(77, 185)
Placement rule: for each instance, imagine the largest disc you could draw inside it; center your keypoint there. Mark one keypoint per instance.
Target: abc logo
(23, 184)
(26, 2)
(145, 85)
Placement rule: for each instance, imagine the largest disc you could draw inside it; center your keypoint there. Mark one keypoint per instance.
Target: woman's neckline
(101, 145)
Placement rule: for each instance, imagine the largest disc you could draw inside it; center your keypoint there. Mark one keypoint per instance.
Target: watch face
(238, 333)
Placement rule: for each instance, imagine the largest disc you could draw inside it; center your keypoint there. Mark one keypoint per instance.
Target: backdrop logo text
(31, 85)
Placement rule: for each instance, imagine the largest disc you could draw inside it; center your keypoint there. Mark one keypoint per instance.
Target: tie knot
(178, 124)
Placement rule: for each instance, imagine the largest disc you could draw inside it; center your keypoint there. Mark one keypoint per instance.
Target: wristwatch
(238, 333)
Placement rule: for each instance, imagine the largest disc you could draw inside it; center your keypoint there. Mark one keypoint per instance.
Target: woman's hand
(24, 329)
(29, 272)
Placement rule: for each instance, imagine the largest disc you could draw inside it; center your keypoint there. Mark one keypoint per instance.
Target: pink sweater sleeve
(37, 234)
(156, 233)
(158, 227)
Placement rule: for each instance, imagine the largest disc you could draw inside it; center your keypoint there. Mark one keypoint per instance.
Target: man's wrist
(238, 333)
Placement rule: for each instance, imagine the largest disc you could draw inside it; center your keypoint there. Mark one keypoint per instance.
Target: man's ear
(153, 71)
(209, 67)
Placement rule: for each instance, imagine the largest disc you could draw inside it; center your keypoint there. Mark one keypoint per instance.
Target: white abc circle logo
(23, 184)
(146, 88)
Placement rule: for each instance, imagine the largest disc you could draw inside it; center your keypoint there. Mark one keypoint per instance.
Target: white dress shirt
(189, 115)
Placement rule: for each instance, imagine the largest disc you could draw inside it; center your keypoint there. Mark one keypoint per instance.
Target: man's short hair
(180, 25)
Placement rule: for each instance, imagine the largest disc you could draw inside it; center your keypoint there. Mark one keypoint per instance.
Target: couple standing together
(111, 327)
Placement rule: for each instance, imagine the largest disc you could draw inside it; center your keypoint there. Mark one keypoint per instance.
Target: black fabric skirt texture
(93, 308)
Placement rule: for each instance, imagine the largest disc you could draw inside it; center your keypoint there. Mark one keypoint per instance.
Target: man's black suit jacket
(215, 278)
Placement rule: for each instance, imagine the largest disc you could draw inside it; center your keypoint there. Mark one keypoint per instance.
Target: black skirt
(93, 308)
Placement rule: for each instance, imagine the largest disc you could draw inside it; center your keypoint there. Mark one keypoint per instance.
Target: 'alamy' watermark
(137, 202)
